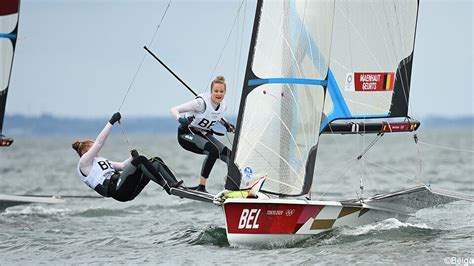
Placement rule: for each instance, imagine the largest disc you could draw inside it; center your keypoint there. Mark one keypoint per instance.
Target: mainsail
(8, 34)
(312, 63)
(371, 61)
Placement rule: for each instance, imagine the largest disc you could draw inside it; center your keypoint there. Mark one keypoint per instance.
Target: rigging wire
(371, 179)
(138, 70)
(395, 172)
(238, 58)
(379, 136)
(420, 160)
(444, 148)
(225, 44)
(337, 182)
(144, 54)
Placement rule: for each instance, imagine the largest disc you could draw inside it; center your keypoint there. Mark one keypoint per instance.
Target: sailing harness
(109, 186)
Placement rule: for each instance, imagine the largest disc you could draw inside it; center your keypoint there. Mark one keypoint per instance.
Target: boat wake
(101, 212)
(212, 236)
(36, 211)
(384, 230)
(390, 229)
(383, 226)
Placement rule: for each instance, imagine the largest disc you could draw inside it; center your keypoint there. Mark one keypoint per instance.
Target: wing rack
(357, 126)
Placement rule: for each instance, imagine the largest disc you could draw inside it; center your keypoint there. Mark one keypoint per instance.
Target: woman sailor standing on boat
(195, 131)
(102, 175)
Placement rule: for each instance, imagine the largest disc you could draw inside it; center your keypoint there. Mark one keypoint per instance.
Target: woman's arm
(85, 163)
(196, 105)
(86, 159)
(119, 166)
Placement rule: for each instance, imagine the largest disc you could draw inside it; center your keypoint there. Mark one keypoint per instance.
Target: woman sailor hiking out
(102, 175)
(195, 131)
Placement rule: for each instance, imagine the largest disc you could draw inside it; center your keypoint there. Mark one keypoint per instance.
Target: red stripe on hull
(261, 218)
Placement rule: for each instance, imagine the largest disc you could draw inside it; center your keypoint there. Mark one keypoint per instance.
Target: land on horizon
(46, 125)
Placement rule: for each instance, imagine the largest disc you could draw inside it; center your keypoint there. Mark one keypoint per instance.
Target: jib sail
(283, 95)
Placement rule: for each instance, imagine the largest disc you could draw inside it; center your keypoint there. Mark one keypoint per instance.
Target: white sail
(370, 69)
(283, 99)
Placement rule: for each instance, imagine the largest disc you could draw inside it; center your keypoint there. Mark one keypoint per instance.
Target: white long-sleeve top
(85, 163)
(197, 105)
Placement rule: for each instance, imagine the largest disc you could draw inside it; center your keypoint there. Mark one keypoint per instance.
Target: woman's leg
(164, 170)
(158, 175)
(203, 144)
(129, 184)
(223, 151)
(214, 149)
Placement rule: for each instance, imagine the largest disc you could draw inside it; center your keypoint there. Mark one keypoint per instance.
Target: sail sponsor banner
(260, 218)
(370, 81)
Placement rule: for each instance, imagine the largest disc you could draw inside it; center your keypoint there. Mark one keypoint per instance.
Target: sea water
(159, 229)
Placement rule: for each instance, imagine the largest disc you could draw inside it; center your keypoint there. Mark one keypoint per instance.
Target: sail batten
(254, 82)
(8, 36)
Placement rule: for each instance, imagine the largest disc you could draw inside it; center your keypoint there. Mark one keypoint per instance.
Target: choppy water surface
(157, 228)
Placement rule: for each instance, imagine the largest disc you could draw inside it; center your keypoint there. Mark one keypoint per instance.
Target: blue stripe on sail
(317, 61)
(9, 36)
(254, 82)
(340, 109)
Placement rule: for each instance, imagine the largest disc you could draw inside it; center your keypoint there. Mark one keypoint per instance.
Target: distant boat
(9, 15)
(319, 67)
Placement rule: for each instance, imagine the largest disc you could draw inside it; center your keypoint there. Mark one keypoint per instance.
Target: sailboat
(315, 68)
(9, 15)
(8, 33)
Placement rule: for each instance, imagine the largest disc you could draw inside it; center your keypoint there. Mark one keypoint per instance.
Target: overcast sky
(78, 58)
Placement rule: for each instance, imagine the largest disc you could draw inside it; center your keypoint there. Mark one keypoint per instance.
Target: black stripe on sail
(3, 100)
(234, 175)
(309, 171)
(401, 90)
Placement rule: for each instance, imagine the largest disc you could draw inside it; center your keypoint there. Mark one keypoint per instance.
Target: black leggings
(135, 177)
(197, 142)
